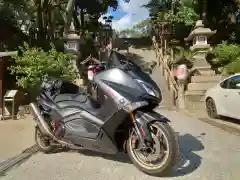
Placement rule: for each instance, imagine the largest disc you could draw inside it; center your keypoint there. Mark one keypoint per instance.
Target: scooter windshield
(122, 62)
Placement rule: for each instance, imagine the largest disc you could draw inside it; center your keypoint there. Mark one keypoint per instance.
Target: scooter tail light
(143, 132)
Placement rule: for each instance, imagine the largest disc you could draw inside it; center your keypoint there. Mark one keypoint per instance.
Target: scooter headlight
(149, 89)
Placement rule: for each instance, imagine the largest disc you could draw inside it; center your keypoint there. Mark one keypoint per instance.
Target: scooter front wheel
(160, 156)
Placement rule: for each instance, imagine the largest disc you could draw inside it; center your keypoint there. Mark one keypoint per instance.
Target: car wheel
(211, 108)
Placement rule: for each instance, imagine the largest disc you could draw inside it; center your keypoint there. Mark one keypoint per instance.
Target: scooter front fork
(143, 133)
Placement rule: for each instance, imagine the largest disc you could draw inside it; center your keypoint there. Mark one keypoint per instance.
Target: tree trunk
(51, 25)
(204, 13)
(40, 20)
(69, 15)
(82, 18)
(82, 22)
(76, 21)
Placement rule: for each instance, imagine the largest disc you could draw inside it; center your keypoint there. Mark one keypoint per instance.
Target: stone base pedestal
(201, 81)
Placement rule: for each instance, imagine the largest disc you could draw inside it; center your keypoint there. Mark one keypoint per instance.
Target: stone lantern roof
(72, 35)
(199, 29)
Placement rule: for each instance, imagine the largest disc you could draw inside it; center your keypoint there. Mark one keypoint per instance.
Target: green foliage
(185, 15)
(35, 63)
(182, 12)
(141, 29)
(233, 67)
(227, 56)
(226, 53)
(180, 52)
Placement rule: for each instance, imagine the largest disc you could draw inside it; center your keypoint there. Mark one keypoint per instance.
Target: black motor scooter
(120, 119)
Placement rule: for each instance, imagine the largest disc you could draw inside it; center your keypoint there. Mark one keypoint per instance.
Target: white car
(224, 98)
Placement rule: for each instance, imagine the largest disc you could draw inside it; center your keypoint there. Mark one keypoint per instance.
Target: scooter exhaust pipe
(35, 111)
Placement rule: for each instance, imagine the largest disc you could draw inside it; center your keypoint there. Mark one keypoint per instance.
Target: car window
(224, 84)
(233, 82)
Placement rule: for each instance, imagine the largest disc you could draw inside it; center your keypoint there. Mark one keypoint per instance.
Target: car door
(231, 97)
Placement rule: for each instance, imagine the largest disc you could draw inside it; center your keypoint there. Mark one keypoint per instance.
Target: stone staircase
(196, 89)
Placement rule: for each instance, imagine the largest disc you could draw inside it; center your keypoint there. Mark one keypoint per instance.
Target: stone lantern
(72, 41)
(199, 37)
(71, 46)
(202, 76)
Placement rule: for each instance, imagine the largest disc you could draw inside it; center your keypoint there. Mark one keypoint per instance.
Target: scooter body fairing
(93, 125)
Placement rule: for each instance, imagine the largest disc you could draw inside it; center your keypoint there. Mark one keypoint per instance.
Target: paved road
(15, 136)
(205, 153)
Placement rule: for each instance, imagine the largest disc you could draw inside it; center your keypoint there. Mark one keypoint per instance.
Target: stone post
(181, 98)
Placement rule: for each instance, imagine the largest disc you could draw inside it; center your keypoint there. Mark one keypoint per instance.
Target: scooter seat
(80, 98)
(79, 101)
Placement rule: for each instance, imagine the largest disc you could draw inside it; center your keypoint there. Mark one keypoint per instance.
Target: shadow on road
(119, 157)
(230, 120)
(189, 161)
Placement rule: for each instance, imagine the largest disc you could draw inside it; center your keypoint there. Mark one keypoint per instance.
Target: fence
(163, 61)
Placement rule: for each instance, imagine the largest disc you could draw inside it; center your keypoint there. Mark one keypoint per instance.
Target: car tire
(211, 108)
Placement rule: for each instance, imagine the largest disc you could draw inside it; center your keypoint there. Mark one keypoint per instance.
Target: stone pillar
(181, 97)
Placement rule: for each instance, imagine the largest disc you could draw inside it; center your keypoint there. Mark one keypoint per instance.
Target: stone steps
(206, 79)
(198, 92)
(206, 72)
(194, 98)
(195, 106)
(200, 86)
(195, 94)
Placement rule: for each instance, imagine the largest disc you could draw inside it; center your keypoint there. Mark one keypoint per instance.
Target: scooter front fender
(148, 117)
(143, 119)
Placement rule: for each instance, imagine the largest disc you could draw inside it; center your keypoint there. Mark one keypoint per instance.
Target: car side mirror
(238, 85)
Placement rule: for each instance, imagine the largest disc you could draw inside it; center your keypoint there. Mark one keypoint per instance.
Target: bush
(225, 56)
(226, 53)
(232, 68)
(34, 63)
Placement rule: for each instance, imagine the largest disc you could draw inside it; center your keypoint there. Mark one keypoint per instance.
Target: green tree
(34, 63)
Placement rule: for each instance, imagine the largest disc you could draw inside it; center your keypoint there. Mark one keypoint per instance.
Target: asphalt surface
(206, 152)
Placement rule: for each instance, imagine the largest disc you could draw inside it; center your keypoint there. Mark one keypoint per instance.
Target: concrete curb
(18, 159)
(221, 124)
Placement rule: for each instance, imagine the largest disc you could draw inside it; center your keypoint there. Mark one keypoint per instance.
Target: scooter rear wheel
(43, 142)
(160, 157)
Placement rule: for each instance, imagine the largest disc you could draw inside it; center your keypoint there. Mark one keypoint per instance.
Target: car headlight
(149, 89)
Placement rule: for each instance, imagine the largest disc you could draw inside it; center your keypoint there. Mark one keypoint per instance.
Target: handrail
(161, 58)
